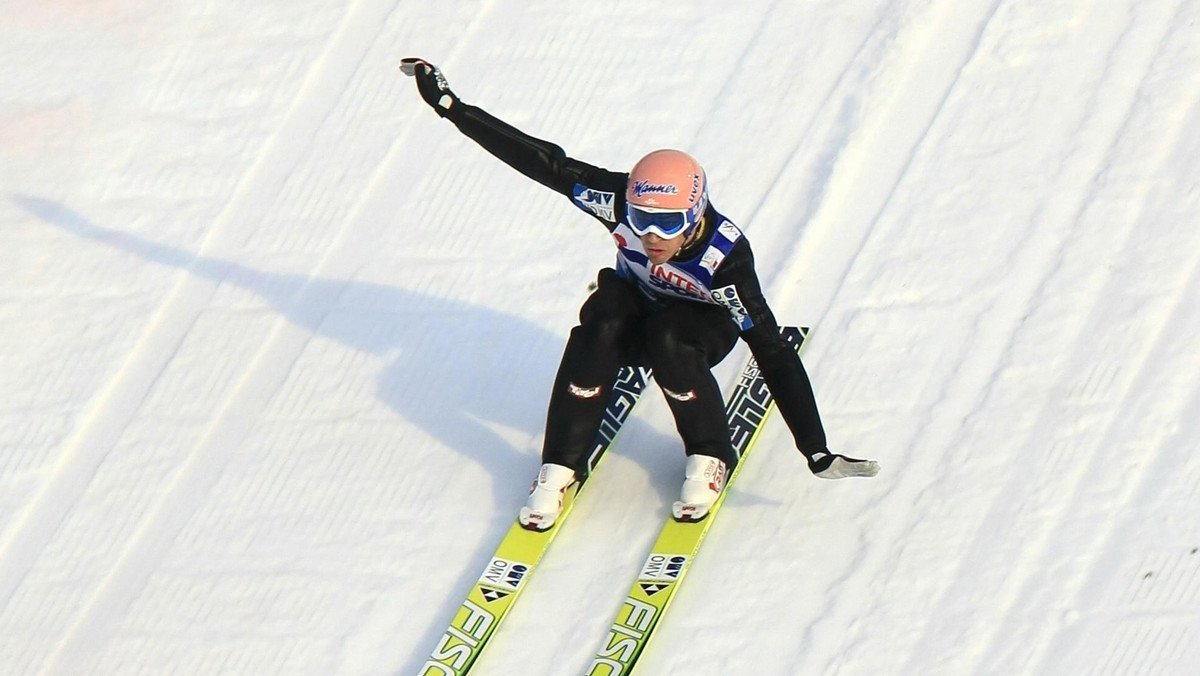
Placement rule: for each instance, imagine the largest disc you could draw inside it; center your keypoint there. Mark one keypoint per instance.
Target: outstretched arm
(781, 367)
(540, 160)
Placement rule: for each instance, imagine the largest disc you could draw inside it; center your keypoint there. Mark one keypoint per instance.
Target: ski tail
(678, 541)
(496, 590)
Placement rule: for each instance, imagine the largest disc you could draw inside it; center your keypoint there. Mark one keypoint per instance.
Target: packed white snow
(276, 341)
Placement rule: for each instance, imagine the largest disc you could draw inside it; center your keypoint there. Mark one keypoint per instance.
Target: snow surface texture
(276, 341)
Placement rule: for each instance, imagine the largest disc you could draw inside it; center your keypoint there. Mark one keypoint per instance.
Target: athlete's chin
(658, 257)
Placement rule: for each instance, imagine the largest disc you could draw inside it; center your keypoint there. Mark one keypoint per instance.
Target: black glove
(430, 83)
(833, 466)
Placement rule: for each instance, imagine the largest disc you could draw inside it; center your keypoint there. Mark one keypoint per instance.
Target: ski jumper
(680, 318)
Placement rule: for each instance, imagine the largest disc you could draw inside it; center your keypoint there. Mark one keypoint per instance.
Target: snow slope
(276, 341)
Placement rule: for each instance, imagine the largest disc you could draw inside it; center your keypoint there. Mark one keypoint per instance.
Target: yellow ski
(678, 541)
(502, 579)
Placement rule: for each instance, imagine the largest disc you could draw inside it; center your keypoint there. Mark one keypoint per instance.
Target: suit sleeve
(780, 365)
(597, 191)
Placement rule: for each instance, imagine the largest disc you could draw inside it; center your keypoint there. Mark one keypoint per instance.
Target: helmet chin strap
(693, 235)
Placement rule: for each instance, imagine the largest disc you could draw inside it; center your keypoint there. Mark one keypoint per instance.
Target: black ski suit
(681, 318)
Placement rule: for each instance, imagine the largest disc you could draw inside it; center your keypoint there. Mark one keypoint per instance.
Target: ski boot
(546, 497)
(703, 479)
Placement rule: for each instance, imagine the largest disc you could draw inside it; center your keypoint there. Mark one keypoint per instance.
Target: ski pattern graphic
(502, 580)
(678, 541)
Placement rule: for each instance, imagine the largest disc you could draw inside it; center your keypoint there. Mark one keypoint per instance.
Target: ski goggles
(666, 223)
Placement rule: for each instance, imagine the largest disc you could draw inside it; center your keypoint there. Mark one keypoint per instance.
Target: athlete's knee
(606, 315)
(668, 341)
(598, 330)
